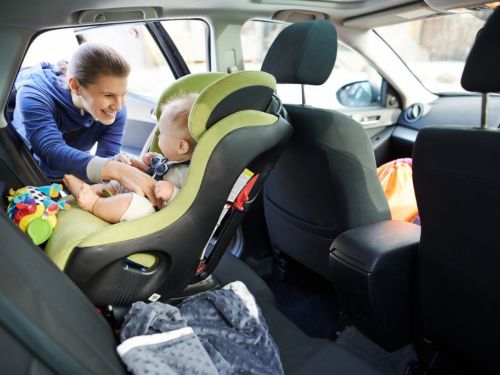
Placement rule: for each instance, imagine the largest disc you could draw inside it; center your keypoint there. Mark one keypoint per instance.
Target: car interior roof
(63, 13)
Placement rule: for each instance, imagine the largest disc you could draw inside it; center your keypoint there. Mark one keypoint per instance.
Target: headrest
(304, 53)
(481, 72)
(221, 96)
(190, 83)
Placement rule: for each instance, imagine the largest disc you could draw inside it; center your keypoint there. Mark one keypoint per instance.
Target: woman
(62, 116)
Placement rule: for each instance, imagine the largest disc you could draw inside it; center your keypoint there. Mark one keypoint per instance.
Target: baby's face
(167, 141)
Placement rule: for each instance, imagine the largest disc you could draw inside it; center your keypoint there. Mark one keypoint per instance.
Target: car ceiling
(60, 13)
(57, 13)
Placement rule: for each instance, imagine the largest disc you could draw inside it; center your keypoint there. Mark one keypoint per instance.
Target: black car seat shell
(168, 244)
(457, 180)
(325, 182)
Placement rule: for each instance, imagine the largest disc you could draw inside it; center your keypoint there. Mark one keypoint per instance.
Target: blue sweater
(60, 136)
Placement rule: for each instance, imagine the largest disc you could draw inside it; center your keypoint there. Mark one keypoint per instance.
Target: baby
(111, 202)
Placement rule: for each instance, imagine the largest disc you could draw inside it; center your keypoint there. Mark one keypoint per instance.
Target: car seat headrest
(481, 72)
(220, 96)
(304, 53)
(190, 83)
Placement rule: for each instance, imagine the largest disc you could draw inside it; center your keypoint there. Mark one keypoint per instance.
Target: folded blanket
(215, 332)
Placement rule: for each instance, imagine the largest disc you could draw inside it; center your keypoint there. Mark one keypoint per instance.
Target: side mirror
(356, 94)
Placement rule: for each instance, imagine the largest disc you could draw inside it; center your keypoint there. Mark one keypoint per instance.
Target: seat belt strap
(37, 341)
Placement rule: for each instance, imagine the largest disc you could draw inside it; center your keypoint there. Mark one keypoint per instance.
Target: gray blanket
(215, 332)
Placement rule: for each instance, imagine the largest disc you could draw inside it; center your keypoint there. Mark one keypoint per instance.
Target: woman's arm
(131, 178)
(38, 115)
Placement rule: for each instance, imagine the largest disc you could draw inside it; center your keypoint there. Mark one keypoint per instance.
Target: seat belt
(237, 200)
(37, 341)
(275, 107)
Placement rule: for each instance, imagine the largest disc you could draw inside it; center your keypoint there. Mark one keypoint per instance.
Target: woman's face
(104, 98)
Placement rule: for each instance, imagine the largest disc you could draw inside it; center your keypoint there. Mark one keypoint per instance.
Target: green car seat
(161, 254)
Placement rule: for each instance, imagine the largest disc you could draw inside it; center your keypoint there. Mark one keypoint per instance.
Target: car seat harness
(159, 167)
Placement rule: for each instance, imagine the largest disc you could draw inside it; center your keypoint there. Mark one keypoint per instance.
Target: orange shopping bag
(397, 181)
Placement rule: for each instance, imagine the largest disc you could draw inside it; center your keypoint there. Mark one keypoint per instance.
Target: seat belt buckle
(201, 266)
(244, 195)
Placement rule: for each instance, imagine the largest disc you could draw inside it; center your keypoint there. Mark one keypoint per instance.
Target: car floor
(387, 363)
(309, 301)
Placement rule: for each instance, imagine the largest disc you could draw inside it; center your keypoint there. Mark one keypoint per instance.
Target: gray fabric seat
(325, 181)
(457, 180)
(62, 320)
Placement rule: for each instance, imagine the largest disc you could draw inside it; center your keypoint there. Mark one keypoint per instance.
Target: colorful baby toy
(34, 210)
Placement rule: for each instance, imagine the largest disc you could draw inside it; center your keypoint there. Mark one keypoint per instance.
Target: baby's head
(175, 141)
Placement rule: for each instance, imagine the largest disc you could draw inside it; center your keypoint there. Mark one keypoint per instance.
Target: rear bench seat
(57, 329)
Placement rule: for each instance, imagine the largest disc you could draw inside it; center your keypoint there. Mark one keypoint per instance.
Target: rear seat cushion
(48, 298)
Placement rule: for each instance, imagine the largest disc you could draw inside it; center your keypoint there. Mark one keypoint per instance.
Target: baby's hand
(148, 156)
(164, 191)
(144, 163)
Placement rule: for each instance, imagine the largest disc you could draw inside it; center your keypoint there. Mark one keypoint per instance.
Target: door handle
(369, 120)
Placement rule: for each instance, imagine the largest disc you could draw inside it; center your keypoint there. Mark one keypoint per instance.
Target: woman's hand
(131, 178)
(144, 163)
(123, 158)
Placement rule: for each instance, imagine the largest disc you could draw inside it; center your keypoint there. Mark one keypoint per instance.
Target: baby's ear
(183, 147)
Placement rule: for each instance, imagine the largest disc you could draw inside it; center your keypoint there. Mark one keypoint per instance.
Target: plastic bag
(396, 178)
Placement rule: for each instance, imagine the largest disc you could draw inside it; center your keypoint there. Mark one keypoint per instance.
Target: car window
(191, 38)
(150, 72)
(435, 49)
(257, 36)
(52, 46)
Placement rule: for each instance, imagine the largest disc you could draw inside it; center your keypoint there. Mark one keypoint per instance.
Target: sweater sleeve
(38, 114)
(111, 139)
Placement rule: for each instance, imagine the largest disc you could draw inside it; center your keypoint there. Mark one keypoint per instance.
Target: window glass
(150, 73)
(52, 47)
(435, 49)
(257, 37)
(349, 67)
(190, 37)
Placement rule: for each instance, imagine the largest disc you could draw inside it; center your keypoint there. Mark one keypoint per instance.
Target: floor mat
(308, 301)
(387, 363)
